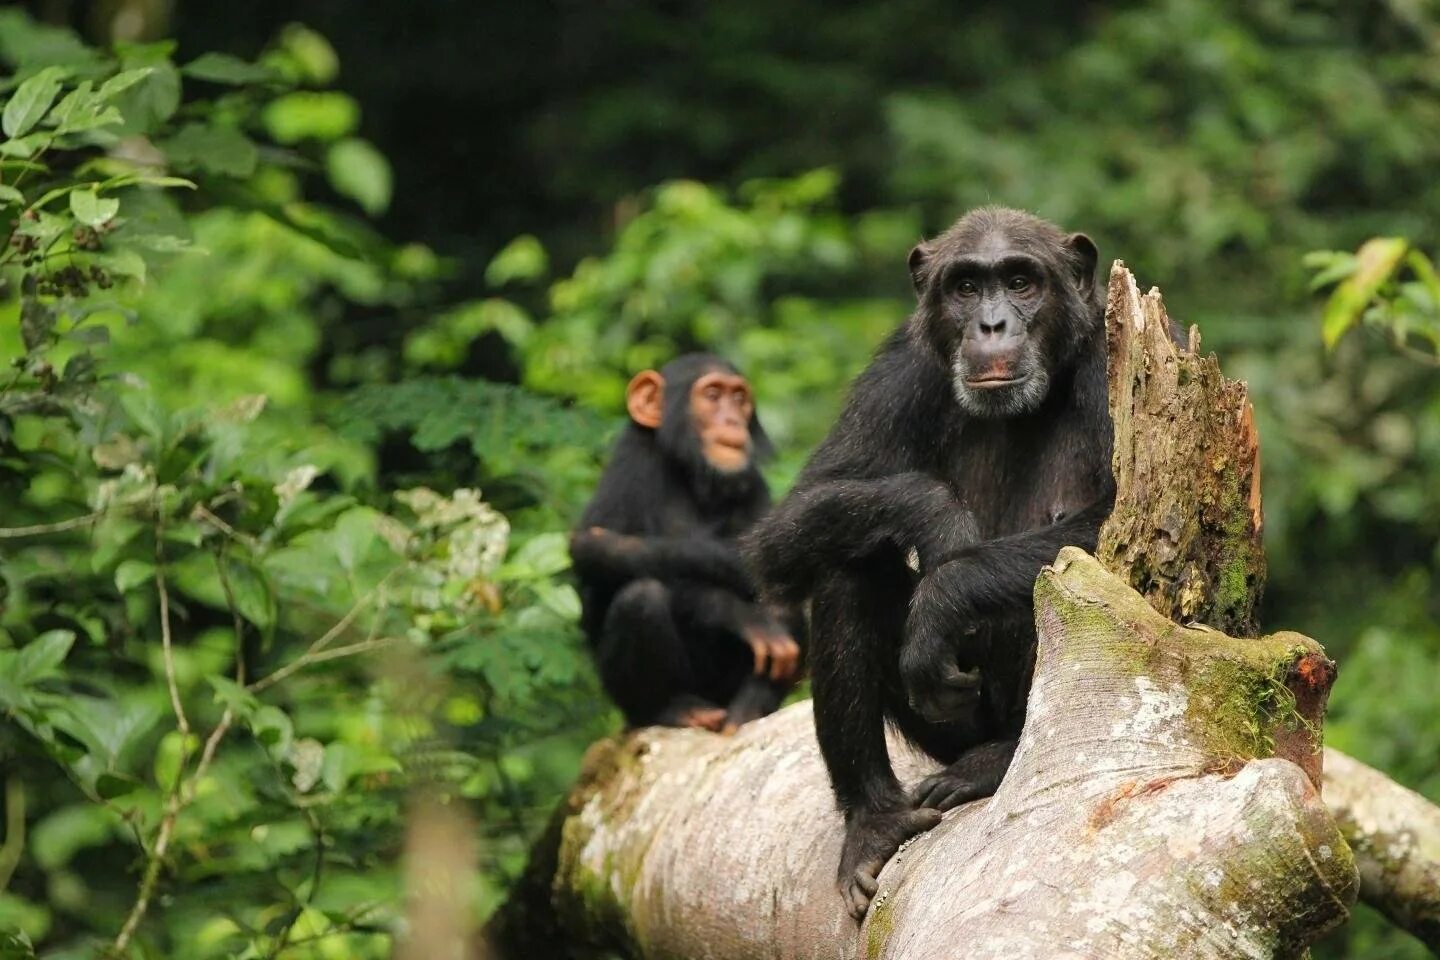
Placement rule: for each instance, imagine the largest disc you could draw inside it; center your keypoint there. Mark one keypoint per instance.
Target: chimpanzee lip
(994, 383)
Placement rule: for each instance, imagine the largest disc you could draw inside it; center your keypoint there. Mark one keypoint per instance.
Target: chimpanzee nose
(992, 325)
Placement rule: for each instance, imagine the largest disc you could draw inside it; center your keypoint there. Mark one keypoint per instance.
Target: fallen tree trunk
(1164, 801)
(1395, 836)
(1136, 821)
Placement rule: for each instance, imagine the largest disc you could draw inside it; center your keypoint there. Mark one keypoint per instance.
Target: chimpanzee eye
(965, 288)
(1018, 282)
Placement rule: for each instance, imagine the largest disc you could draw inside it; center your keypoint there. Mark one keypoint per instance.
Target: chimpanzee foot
(871, 839)
(756, 698)
(691, 711)
(977, 774)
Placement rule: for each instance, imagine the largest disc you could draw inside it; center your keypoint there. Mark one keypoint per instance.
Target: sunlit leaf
(359, 171)
(228, 69)
(31, 101)
(91, 209)
(131, 573)
(213, 148)
(522, 260)
(1376, 262)
(313, 115)
(41, 657)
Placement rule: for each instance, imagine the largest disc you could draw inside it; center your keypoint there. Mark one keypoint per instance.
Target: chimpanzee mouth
(995, 383)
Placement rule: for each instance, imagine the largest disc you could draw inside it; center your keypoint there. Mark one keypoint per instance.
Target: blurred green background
(238, 636)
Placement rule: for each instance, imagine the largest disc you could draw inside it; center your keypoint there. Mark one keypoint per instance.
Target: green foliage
(749, 277)
(228, 654)
(1385, 284)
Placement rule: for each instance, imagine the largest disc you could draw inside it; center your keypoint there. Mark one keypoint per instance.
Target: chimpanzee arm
(871, 482)
(854, 616)
(760, 627)
(840, 521)
(604, 556)
(980, 581)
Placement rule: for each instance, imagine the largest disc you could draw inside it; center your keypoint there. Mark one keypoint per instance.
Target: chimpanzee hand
(776, 653)
(975, 775)
(940, 659)
(871, 839)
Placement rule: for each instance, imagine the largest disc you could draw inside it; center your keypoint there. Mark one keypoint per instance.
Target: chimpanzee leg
(857, 615)
(757, 697)
(644, 664)
(987, 739)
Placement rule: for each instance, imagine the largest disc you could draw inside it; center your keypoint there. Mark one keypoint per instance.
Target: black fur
(664, 591)
(985, 485)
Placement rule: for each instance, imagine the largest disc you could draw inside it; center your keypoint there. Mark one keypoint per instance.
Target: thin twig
(310, 659)
(312, 653)
(201, 512)
(152, 874)
(166, 647)
(8, 533)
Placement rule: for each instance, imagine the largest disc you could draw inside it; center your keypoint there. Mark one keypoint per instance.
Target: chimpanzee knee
(640, 655)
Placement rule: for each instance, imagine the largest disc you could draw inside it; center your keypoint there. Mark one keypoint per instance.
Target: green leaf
(224, 68)
(541, 556)
(212, 148)
(25, 146)
(1376, 262)
(123, 81)
(31, 101)
(62, 834)
(41, 657)
(91, 209)
(155, 96)
(110, 785)
(523, 260)
(359, 171)
(131, 573)
(310, 53)
(9, 196)
(311, 115)
(354, 534)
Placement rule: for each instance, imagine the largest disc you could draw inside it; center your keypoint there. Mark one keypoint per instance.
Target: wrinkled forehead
(992, 241)
(724, 379)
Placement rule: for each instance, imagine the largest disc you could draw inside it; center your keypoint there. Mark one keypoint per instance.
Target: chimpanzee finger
(857, 901)
(780, 663)
(961, 794)
(792, 657)
(757, 648)
(866, 880)
(934, 794)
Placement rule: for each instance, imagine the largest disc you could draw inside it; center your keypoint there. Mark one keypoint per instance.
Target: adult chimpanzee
(974, 447)
(678, 635)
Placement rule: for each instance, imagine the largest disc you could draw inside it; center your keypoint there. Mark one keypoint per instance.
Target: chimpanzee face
(703, 413)
(1006, 299)
(721, 408)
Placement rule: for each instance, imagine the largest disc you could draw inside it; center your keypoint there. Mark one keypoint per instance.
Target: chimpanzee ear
(1084, 256)
(645, 398)
(919, 257)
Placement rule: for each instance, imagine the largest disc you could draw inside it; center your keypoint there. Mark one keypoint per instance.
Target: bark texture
(1395, 835)
(1185, 531)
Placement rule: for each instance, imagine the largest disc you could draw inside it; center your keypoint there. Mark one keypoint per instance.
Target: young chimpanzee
(975, 446)
(678, 635)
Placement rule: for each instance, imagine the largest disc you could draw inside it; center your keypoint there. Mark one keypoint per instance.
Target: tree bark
(1185, 530)
(1164, 801)
(1395, 836)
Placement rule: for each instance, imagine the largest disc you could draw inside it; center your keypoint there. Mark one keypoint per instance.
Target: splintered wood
(1186, 527)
